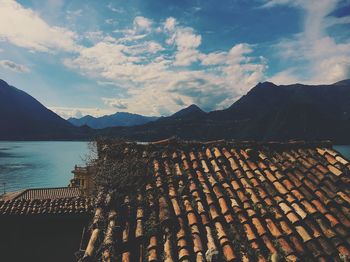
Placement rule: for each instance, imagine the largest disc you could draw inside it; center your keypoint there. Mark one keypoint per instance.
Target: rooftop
(49, 193)
(43, 201)
(234, 201)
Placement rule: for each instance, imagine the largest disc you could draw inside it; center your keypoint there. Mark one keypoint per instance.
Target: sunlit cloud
(77, 112)
(156, 65)
(325, 59)
(154, 68)
(23, 27)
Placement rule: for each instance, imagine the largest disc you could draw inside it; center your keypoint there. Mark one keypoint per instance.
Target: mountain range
(117, 119)
(266, 112)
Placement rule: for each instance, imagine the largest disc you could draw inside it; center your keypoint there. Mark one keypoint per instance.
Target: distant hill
(22, 117)
(266, 112)
(117, 119)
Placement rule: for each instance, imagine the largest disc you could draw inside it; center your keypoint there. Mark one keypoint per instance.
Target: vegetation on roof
(220, 201)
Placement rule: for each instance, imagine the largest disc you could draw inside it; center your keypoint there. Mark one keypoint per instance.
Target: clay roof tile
(289, 196)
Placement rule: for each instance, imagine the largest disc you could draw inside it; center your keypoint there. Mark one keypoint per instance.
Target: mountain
(271, 112)
(266, 112)
(191, 111)
(117, 119)
(24, 118)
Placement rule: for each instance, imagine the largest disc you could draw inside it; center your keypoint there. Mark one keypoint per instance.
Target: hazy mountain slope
(117, 119)
(23, 117)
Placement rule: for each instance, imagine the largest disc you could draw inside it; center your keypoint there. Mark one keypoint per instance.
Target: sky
(154, 57)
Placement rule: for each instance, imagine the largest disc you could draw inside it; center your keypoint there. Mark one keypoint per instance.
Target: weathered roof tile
(275, 199)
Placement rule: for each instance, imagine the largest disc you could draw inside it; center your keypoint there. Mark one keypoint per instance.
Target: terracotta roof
(237, 202)
(46, 201)
(49, 193)
(58, 206)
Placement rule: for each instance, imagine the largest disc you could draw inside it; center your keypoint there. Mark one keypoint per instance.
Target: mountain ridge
(267, 112)
(26, 118)
(116, 119)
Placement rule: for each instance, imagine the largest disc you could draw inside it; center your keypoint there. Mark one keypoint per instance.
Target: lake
(49, 164)
(39, 164)
(344, 150)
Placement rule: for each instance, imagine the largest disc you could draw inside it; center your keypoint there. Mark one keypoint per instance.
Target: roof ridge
(25, 191)
(45, 188)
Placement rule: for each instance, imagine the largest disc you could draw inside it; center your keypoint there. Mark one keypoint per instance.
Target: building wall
(83, 178)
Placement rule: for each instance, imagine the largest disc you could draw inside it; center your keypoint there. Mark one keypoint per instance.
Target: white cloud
(140, 29)
(272, 3)
(23, 27)
(214, 58)
(325, 58)
(138, 64)
(170, 24)
(115, 103)
(67, 112)
(186, 41)
(185, 38)
(186, 57)
(150, 47)
(10, 65)
(285, 77)
(156, 86)
(157, 79)
(142, 23)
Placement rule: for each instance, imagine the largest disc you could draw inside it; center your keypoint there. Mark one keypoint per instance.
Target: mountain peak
(192, 109)
(265, 84)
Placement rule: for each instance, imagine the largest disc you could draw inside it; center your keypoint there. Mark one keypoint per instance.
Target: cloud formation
(78, 112)
(325, 59)
(154, 67)
(10, 65)
(141, 65)
(157, 75)
(112, 102)
(24, 28)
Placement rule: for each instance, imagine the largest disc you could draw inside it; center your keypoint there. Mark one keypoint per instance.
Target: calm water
(49, 164)
(39, 164)
(344, 150)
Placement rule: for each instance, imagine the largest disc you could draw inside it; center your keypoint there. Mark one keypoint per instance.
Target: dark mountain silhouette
(190, 111)
(23, 117)
(266, 112)
(117, 119)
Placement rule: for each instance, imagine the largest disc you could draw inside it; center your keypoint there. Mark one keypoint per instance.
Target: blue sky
(155, 57)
